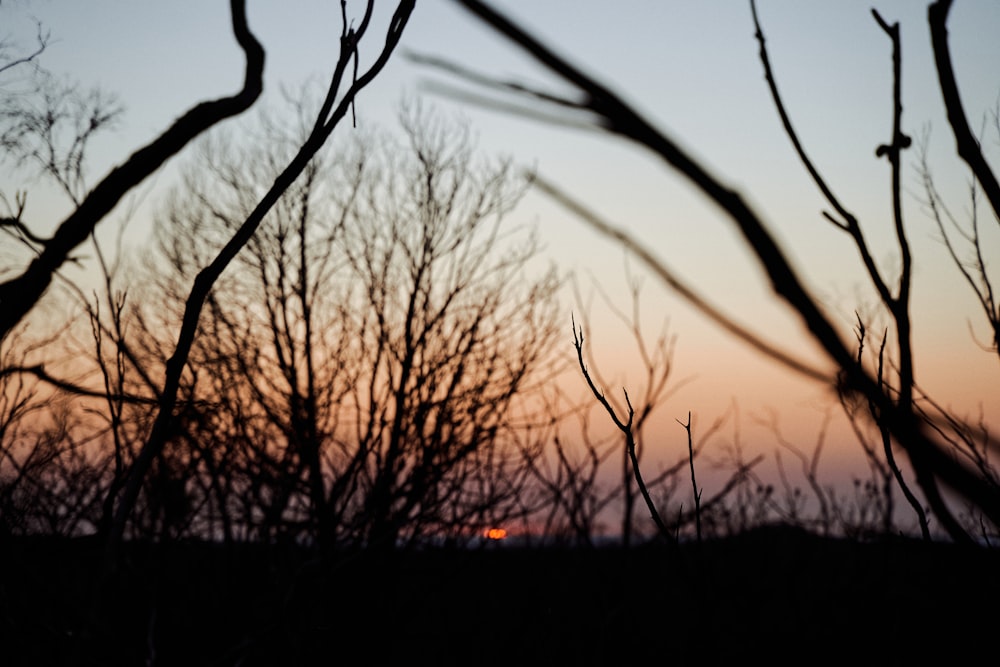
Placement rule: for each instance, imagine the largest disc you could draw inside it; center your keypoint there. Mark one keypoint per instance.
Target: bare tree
(965, 241)
(657, 363)
(570, 501)
(330, 113)
(362, 362)
(53, 471)
(51, 128)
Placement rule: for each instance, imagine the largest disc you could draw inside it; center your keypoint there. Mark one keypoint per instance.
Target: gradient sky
(692, 66)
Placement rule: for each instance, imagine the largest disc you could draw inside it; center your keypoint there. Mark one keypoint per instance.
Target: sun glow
(495, 533)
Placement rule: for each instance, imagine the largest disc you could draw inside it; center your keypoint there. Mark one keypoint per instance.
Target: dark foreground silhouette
(775, 594)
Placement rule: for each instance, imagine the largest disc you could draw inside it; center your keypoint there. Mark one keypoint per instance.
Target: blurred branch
(670, 279)
(13, 223)
(38, 371)
(973, 270)
(42, 39)
(19, 294)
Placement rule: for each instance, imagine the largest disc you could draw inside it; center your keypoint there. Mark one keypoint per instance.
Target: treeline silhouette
(384, 365)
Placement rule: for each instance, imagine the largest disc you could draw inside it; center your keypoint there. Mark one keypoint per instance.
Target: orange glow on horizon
(495, 533)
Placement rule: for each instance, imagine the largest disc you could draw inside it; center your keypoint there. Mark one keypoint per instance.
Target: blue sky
(691, 66)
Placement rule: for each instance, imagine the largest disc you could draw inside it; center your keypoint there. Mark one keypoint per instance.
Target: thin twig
(694, 484)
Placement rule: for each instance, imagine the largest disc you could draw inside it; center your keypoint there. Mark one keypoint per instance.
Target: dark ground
(775, 595)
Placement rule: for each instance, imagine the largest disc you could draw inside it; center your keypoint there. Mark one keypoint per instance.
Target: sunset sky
(693, 68)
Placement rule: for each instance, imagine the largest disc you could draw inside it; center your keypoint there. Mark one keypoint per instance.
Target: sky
(693, 68)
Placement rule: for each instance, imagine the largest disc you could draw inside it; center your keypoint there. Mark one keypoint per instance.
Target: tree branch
(19, 295)
(966, 143)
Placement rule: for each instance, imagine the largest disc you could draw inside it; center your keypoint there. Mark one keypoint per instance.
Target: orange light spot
(496, 533)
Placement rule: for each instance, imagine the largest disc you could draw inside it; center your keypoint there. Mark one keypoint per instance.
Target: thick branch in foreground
(965, 141)
(20, 294)
(969, 150)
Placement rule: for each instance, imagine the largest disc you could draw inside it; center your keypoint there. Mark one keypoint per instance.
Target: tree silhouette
(330, 114)
(354, 375)
(54, 135)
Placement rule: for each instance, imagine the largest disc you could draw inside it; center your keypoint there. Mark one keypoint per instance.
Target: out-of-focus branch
(42, 38)
(13, 223)
(973, 270)
(38, 371)
(682, 288)
(617, 117)
(19, 294)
